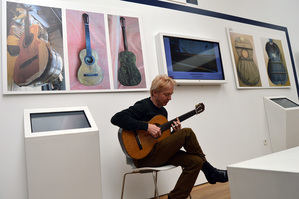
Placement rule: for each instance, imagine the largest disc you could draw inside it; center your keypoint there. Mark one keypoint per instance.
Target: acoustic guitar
(89, 73)
(138, 144)
(33, 55)
(128, 73)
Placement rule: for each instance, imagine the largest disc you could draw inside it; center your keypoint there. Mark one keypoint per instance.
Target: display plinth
(283, 124)
(65, 163)
(274, 176)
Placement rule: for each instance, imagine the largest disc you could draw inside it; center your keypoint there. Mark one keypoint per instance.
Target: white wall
(282, 13)
(238, 135)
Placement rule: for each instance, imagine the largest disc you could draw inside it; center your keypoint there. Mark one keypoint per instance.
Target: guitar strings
(56, 15)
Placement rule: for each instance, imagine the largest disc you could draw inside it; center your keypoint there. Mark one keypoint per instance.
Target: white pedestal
(283, 124)
(63, 164)
(274, 176)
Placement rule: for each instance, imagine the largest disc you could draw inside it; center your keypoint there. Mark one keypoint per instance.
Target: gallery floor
(208, 191)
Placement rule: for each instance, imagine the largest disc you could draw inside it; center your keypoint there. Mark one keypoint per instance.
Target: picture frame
(33, 57)
(86, 35)
(256, 70)
(64, 49)
(126, 52)
(275, 62)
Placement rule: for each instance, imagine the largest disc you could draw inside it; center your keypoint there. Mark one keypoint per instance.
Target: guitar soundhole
(89, 60)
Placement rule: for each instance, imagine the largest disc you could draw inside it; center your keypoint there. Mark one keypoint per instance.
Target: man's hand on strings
(176, 125)
(154, 130)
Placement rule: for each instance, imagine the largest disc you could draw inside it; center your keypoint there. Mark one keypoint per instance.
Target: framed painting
(275, 63)
(69, 50)
(126, 52)
(243, 52)
(33, 59)
(87, 51)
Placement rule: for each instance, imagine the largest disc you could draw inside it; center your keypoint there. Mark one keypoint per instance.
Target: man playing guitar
(168, 150)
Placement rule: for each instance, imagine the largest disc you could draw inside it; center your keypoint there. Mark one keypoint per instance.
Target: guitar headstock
(199, 108)
(122, 21)
(85, 18)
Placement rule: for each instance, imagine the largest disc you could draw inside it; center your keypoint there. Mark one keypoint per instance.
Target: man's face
(164, 96)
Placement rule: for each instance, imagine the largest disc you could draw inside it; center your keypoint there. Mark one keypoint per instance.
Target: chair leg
(155, 177)
(123, 185)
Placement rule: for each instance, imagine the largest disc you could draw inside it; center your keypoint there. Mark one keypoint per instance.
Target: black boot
(214, 175)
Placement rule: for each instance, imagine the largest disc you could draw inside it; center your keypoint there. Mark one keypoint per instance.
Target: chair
(153, 170)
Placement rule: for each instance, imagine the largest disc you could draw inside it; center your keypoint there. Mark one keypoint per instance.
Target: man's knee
(187, 131)
(194, 162)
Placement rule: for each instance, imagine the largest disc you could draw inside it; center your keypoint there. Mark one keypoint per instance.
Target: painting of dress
(275, 63)
(246, 67)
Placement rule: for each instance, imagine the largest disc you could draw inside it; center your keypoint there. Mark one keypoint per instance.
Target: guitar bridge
(90, 75)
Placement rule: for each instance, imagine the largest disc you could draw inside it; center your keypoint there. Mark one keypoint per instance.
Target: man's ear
(155, 93)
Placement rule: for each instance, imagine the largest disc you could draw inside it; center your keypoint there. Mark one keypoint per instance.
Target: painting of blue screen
(193, 59)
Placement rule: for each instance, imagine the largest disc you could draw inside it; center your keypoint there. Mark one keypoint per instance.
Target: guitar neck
(87, 35)
(26, 24)
(167, 125)
(123, 28)
(28, 37)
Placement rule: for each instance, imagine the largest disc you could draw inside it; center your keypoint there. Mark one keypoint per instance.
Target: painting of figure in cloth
(34, 48)
(126, 52)
(275, 63)
(246, 65)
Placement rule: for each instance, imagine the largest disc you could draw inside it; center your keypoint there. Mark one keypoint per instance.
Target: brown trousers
(168, 151)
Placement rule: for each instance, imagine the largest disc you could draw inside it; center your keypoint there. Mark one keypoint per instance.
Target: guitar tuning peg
(85, 18)
(122, 20)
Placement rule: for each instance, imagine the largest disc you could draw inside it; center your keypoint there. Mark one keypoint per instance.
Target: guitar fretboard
(123, 28)
(183, 117)
(87, 34)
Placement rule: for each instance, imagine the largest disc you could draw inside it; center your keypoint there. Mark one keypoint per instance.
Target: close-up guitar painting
(34, 48)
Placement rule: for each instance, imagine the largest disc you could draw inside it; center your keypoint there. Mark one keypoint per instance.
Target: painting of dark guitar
(138, 144)
(89, 73)
(128, 73)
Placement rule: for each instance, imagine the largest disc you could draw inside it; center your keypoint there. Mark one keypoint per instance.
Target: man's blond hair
(160, 82)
